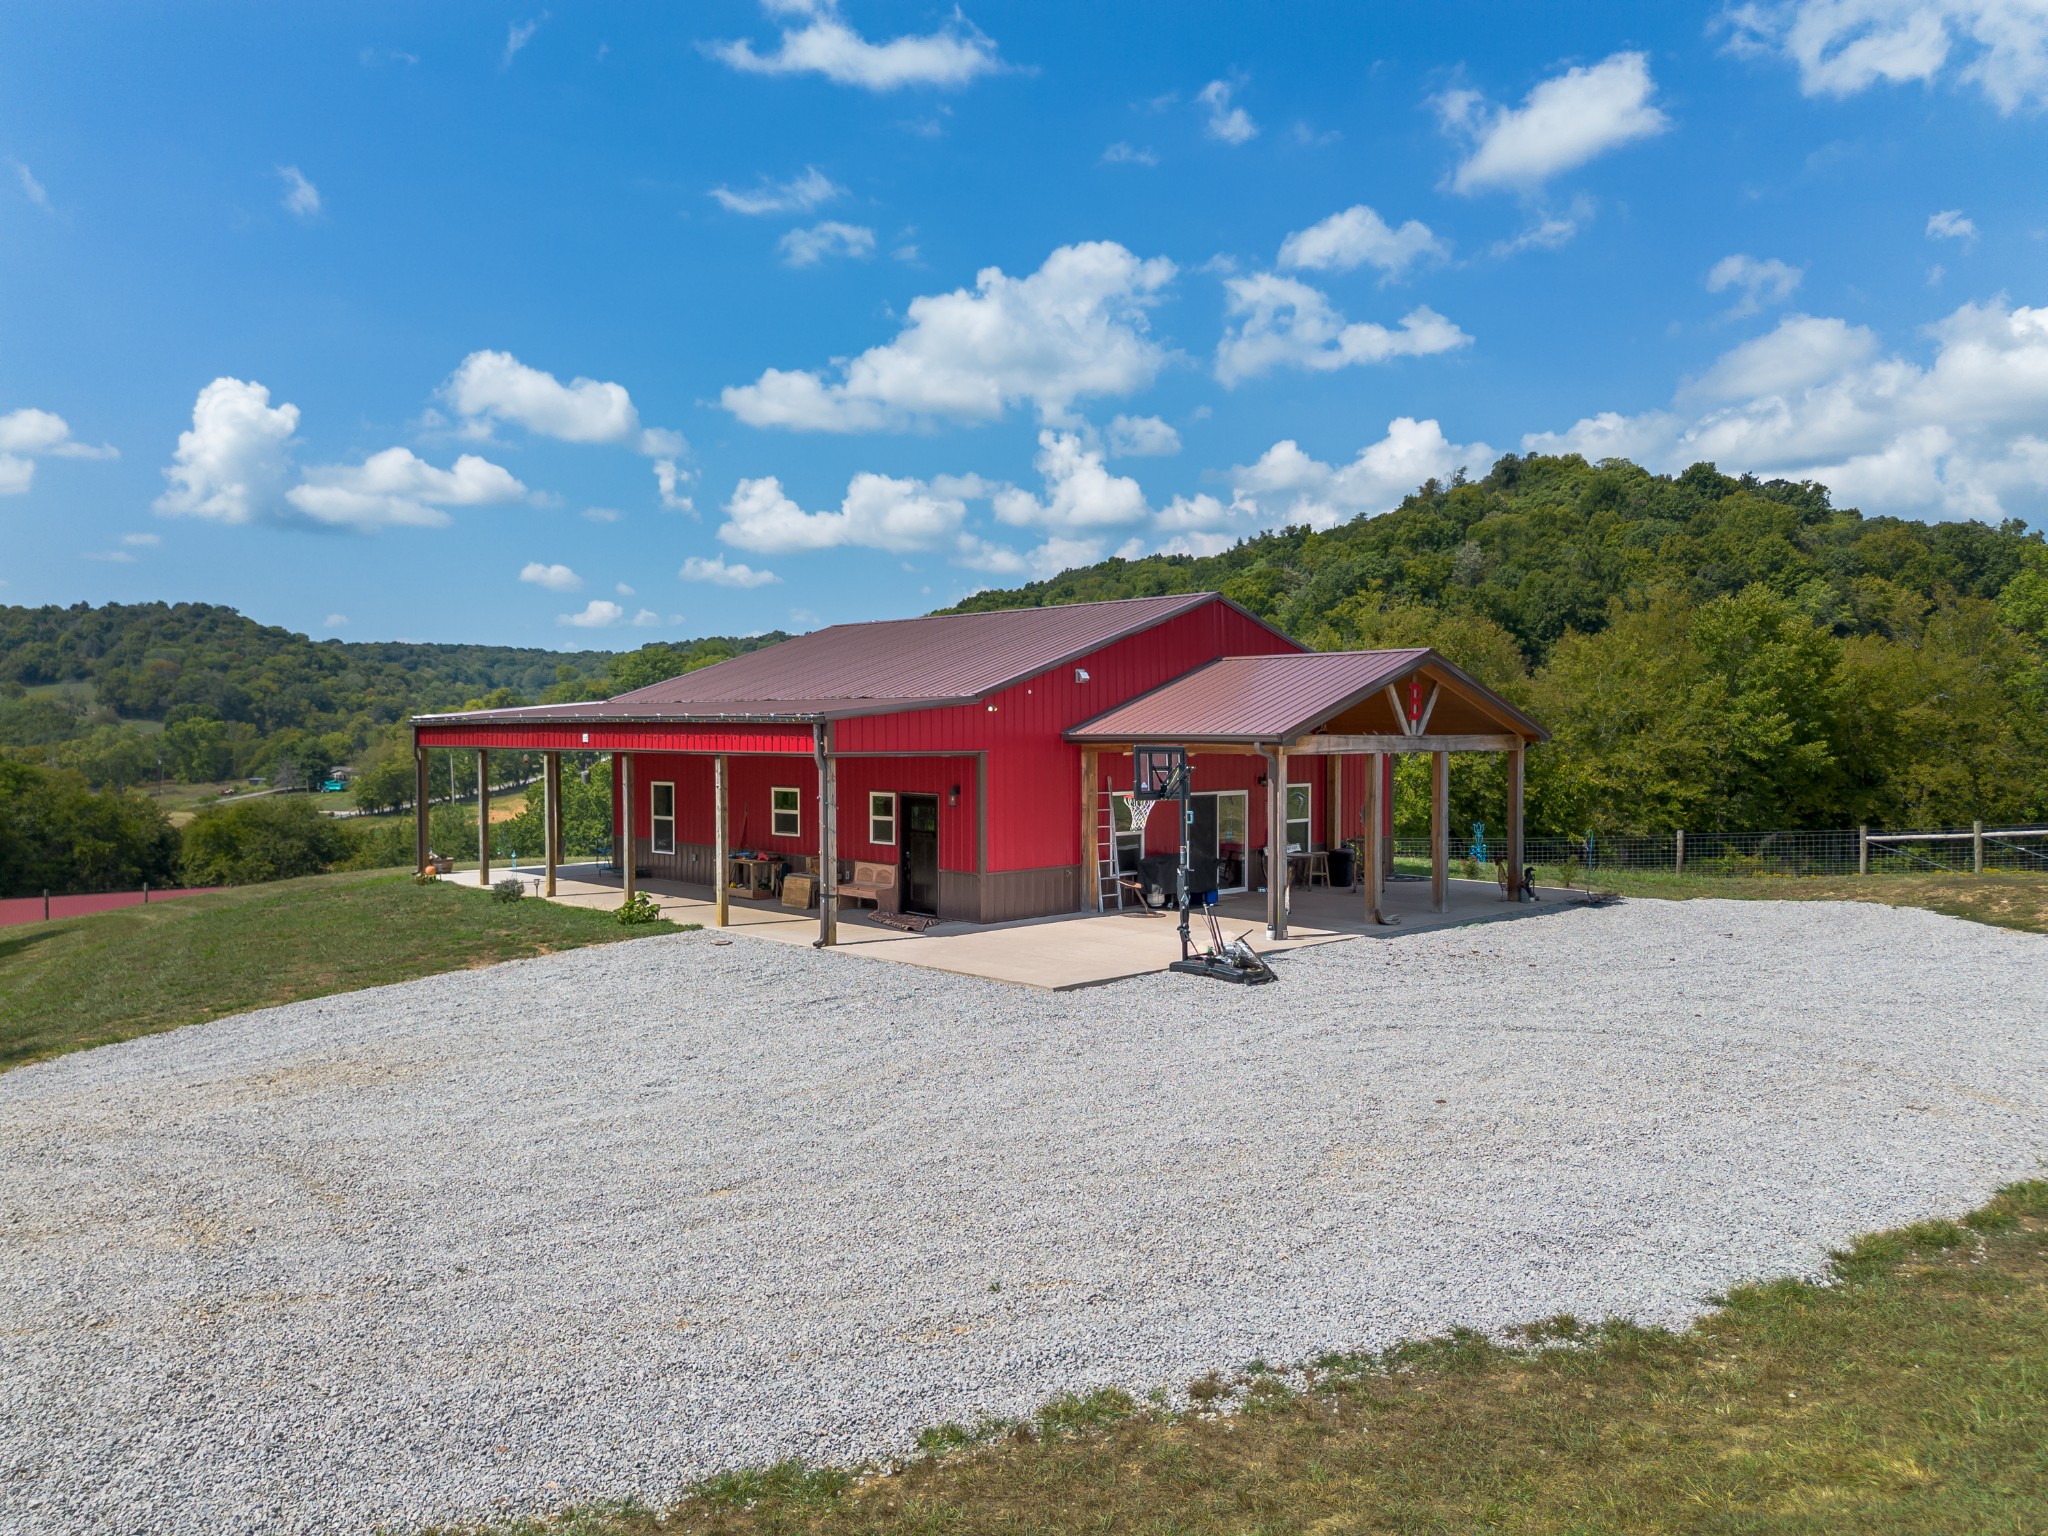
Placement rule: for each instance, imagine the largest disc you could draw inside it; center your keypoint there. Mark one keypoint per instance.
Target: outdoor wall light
(953, 795)
(1080, 674)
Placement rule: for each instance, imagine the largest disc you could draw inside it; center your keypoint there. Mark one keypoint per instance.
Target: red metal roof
(876, 668)
(1273, 698)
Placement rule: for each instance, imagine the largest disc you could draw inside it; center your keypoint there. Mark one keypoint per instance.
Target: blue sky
(587, 325)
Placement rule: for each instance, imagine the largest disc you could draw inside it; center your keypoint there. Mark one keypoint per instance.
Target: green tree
(57, 834)
(276, 837)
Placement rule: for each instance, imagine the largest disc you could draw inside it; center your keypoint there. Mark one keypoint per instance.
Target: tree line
(130, 693)
(1712, 652)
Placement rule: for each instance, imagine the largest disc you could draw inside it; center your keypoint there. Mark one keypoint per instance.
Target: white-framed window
(881, 816)
(662, 819)
(1298, 840)
(785, 813)
(1130, 842)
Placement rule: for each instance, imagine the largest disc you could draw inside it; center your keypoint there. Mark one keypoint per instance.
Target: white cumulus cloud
(398, 489)
(489, 388)
(1949, 224)
(493, 387)
(1142, 437)
(800, 194)
(556, 578)
(1232, 125)
(517, 36)
(1357, 237)
(232, 465)
(808, 247)
(235, 462)
(1283, 322)
(301, 197)
(1959, 435)
(1080, 493)
(818, 41)
(1563, 123)
(29, 434)
(1756, 283)
(598, 613)
(1074, 328)
(1842, 47)
(878, 512)
(30, 187)
(1285, 486)
(717, 572)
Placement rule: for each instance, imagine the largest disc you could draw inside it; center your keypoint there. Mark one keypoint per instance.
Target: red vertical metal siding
(1034, 775)
(750, 781)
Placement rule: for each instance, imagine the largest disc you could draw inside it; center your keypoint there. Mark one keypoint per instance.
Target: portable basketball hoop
(1159, 774)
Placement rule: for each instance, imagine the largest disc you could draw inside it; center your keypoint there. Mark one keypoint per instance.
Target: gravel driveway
(607, 1221)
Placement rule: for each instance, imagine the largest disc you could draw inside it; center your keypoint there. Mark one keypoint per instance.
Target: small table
(753, 876)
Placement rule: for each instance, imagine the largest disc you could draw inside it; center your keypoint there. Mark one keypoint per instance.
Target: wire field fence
(1840, 851)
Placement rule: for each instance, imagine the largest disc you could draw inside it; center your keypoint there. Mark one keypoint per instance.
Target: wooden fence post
(1863, 849)
(1680, 869)
(1976, 847)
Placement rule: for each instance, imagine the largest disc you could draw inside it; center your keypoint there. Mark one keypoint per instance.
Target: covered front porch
(1321, 732)
(1056, 953)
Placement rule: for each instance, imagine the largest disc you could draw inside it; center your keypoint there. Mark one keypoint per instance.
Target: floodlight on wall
(1080, 674)
(953, 796)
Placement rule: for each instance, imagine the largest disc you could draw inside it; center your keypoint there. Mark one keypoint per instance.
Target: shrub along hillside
(1712, 653)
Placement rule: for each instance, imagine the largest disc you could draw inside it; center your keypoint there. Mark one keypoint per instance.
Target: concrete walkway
(1059, 953)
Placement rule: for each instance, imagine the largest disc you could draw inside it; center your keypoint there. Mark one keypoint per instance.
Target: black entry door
(920, 867)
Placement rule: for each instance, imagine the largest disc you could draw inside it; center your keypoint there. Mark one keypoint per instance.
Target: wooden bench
(872, 882)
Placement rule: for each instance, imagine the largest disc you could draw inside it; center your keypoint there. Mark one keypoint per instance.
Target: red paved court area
(29, 909)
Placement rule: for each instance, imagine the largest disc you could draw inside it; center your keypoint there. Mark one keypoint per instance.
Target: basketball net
(1141, 812)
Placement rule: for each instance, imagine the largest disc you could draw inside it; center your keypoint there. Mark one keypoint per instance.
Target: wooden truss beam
(1502, 743)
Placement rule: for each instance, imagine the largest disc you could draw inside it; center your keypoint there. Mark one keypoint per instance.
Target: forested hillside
(1711, 652)
(105, 690)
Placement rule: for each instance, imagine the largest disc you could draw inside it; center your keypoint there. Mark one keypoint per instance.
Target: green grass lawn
(1907, 1398)
(87, 981)
(2004, 900)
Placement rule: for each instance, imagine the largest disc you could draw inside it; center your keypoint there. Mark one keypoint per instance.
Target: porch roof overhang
(628, 711)
(1318, 701)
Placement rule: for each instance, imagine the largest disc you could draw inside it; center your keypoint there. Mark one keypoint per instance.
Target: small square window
(786, 816)
(881, 816)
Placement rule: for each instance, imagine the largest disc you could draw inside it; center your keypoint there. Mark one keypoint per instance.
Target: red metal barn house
(985, 757)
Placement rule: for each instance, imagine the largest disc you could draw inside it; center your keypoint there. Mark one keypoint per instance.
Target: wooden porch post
(1387, 761)
(483, 817)
(551, 817)
(721, 849)
(1276, 842)
(1369, 849)
(1091, 815)
(1515, 852)
(421, 809)
(828, 836)
(628, 852)
(1333, 801)
(1440, 830)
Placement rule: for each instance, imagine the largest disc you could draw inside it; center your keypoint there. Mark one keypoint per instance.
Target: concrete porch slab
(1065, 952)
